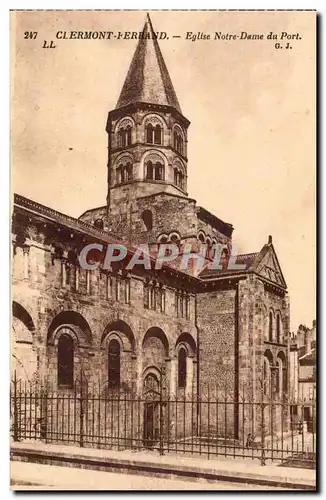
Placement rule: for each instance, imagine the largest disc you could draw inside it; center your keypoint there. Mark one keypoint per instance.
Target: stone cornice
(67, 220)
(38, 210)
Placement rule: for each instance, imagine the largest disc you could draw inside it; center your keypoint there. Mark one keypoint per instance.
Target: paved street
(36, 476)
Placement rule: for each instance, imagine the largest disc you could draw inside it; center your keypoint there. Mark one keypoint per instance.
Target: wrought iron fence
(212, 425)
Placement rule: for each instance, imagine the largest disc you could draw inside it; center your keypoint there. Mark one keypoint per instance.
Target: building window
(154, 171)
(152, 297)
(278, 378)
(124, 173)
(149, 134)
(149, 170)
(178, 142)
(147, 217)
(157, 135)
(182, 304)
(124, 137)
(153, 134)
(128, 135)
(278, 329)
(159, 175)
(178, 178)
(114, 364)
(284, 379)
(201, 237)
(270, 327)
(182, 368)
(266, 379)
(160, 298)
(65, 361)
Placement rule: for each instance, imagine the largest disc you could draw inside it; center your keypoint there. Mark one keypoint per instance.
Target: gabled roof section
(264, 263)
(148, 79)
(268, 266)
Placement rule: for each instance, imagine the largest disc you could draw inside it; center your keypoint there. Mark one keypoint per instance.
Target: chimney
(270, 240)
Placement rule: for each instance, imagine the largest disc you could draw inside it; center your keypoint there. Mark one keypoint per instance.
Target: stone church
(225, 328)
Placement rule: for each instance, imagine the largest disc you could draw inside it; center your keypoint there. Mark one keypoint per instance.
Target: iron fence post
(15, 426)
(263, 457)
(161, 411)
(43, 419)
(81, 416)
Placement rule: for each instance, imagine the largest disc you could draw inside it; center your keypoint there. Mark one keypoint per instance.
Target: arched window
(278, 329)
(270, 327)
(120, 138)
(120, 175)
(178, 178)
(65, 361)
(128, 135)
(175, 238)
(182, 368)
(114, 364)
(157, 135)
(162, 239)
(279, 376)
(149, 134)
(124, 173)
(266, 377)
(128, 172)
(284, 378)
(159, 171)
(201, 238)
(147, 217)
(149, 170)
(178, 142)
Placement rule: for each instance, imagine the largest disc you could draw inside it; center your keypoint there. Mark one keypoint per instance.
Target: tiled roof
(246, 258)
(148, 79)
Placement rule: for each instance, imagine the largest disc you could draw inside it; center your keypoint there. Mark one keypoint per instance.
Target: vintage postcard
(163, 288)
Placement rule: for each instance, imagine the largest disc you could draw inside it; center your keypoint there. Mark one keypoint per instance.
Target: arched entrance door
(151, 430)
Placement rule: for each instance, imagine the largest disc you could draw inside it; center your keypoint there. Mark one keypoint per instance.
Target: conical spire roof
(148, 79)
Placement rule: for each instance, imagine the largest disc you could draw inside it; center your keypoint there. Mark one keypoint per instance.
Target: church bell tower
(147, 132)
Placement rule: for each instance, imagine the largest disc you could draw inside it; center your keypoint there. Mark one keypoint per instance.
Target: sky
(251, 142)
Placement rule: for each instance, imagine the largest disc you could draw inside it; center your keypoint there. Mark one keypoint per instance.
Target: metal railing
(212, 425)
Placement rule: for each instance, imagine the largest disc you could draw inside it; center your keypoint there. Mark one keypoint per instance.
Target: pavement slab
(151, 463)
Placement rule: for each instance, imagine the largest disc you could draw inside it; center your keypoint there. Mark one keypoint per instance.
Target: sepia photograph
(163, 250)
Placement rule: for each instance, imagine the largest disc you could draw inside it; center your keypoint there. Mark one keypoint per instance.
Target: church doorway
(151, 429)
